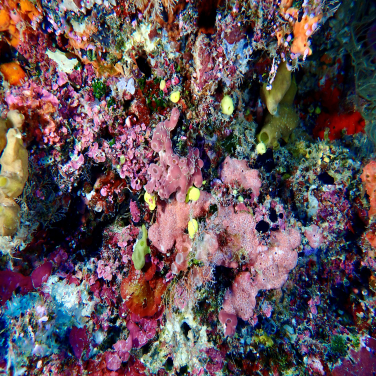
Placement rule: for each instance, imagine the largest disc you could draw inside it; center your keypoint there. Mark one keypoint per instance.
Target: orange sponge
(369, 178)
(13, 73)
(4, 20)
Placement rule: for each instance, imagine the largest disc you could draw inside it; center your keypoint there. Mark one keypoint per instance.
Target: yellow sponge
(227, 105)
(15, 119)
(278, 126)
(14, 165)
(9, 216)
(280, 86)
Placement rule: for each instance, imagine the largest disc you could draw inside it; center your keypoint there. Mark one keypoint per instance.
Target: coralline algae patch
(187, 188)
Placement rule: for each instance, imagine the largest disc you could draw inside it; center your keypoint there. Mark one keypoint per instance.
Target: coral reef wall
(187, 187)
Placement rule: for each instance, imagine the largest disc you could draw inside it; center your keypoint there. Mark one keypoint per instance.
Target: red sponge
(353, 123)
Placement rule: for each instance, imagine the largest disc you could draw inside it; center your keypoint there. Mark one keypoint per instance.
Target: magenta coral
(41, 274)
(79, 341)
(135, 211)
(174, 173)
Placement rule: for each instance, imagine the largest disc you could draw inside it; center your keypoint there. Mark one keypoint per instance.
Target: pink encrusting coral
(174, 173)
(237, 171)
(38, 106)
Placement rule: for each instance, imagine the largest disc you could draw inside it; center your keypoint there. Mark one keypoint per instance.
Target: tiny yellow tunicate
(192, 228)
(192, 194)
(162, 84)
(227, 105)
(261, 148)
(150, 200)
(175, 96)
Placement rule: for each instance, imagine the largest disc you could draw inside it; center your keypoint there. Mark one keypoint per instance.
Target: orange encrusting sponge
(369, 178)
(4, 20)
(13, 73)
(13, 13)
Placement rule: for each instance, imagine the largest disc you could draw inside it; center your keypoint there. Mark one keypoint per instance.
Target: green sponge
(140, 250)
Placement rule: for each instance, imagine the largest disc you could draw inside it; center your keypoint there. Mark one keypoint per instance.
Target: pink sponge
(174, 173)
(232, 233)
(269, 271)
(229, 321)
(241, 299)
(172, 221)
(314, 235)
(237, 171)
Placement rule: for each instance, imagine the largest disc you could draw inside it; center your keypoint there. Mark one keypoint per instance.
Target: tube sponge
(14, 120)
(278, 126)
(281, 85)
(3, 134)
(14, 171)
(14, 165)
(140, 250)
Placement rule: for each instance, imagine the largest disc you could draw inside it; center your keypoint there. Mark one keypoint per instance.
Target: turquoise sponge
(140, 250)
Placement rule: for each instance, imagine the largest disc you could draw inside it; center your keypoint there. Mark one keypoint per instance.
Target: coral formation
(187, 187)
